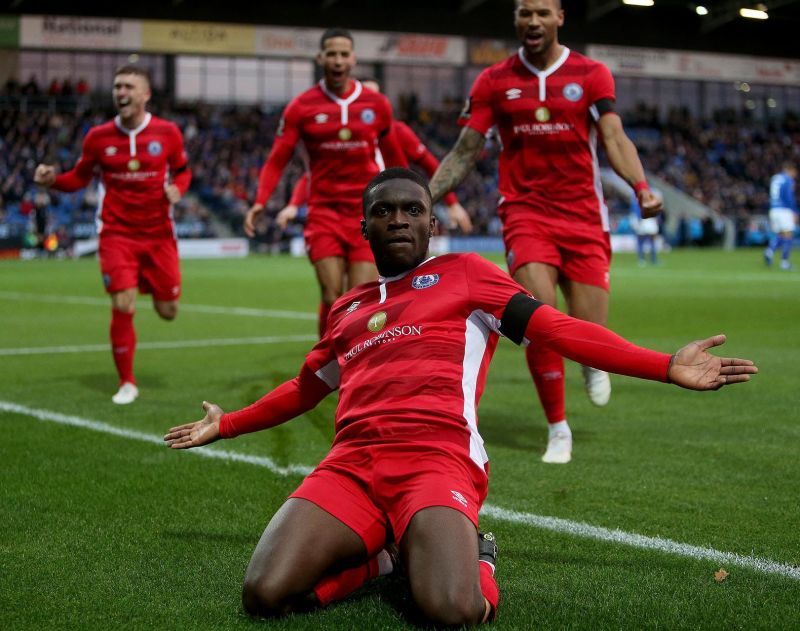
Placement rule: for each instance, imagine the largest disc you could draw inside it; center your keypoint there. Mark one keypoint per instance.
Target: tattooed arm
(457, 163)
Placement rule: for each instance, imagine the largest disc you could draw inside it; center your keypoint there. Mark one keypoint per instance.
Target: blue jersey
(781, 192)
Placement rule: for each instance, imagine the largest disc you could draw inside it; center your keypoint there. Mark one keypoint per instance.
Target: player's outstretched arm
(457, 163)
(202, 432)
(593, 345)
(694, 368)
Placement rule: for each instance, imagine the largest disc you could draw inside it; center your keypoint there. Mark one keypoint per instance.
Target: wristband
(641, 186)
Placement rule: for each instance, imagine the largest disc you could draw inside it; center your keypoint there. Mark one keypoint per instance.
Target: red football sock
(547, 370)
(489, 587)
(324, 310)
(123, 344)
(333, 588)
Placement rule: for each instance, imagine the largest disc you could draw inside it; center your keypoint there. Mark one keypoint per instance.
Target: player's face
(337, 60)
(398, 225)
(131, 93)
(537, 23)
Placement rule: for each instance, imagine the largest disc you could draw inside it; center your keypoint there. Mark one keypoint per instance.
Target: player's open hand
(459, 218)
(202, 432)
(44, 175)
(250, 219)
(287, 214)
(694, 368)
(173, 193)
(650, 203)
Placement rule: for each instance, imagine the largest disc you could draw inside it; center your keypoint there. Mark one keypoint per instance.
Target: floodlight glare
(639, 3)
(754, 14)
(701, 10)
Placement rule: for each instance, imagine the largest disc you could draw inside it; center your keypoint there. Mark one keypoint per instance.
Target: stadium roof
(668, 24)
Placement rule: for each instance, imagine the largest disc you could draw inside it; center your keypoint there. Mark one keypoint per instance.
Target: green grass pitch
(105, 531)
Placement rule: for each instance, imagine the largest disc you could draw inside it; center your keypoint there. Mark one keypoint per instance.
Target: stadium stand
(721, 163)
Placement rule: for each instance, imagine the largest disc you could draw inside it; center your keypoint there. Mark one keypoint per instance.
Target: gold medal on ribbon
(134, 164)
(345, 134)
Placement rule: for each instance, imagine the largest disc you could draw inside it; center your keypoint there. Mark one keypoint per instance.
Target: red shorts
(377, 489)
(149, 264)
(581, 253)
(336, 231)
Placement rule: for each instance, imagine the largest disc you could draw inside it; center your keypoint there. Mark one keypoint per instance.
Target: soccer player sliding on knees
(407, 472)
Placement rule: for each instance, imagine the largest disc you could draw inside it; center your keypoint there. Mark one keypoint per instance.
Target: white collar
(389, 279)
(342, 102)
(125, 130)
(547, 71)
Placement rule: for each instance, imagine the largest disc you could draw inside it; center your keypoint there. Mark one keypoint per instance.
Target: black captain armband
(516, 315)
(603, 106)
(181, 169)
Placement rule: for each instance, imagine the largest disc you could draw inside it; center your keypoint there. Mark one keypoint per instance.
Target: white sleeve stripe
(594, 112)
(329, 373)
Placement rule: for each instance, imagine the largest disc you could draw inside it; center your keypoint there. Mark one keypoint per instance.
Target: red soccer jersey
(135, 166)
(411, 146)
(340, 136)
(410, 354)
(546, 122)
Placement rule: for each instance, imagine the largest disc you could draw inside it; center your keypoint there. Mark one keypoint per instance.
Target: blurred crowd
(723, 163)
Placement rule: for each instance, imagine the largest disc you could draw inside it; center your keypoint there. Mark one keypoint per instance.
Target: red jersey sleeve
(318, 377)
(478, 113)
(601, 88)
(301, 191)
(82, 173)
(412, 146)
(388, 142)
(286, 138)
(490, 289)
(178, 162)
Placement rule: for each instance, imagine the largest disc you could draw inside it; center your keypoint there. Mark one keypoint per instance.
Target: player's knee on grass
(267, 595)
(450, 605)
(167, 310)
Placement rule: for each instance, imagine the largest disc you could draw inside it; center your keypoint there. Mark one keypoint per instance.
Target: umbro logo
(110, 151)
(458, 497)
(321, 118)
(513, 93)
(353, 306)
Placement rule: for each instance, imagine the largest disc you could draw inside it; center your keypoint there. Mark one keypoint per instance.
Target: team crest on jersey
(513, 93)
(377, 321)
(425, 281)
(321, 118)
(110, 151)
(368, 116)
(572, 92)
(542, 114)
(353, 306)
(154, 148)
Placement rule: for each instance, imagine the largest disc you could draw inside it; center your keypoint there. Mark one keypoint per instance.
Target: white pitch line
(90, 348)
(240, 311)
(555, 524)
